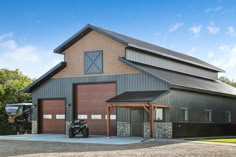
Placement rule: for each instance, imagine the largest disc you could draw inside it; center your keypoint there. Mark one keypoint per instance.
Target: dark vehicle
(19, 115)
(78, 126)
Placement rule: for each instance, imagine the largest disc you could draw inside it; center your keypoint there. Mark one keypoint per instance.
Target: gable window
(183, 114)
(228, 116)
(159, 114)
(93, 62)
(208, 115)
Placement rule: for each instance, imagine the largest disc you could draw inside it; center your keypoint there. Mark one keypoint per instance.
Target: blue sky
(31, 29)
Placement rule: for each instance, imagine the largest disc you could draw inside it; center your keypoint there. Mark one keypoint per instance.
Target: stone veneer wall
(67, 128)
(34, 127)
(146, 129)
(161, 129)
(123, 129)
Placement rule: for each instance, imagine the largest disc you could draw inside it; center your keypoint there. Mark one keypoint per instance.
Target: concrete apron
(62, 138)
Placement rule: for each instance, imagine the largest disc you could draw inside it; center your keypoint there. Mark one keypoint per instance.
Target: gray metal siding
(139, 57)
(63, 88)
(196, 103)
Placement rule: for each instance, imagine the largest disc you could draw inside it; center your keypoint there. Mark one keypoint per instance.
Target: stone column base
(67, 128)
(161, 130)
(123, 129)
(34, 126)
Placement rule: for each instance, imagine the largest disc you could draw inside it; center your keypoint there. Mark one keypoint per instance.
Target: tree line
(228, 81)
(11, 84)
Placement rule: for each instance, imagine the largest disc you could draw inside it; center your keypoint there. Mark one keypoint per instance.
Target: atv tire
(71, 133)
(85, 132)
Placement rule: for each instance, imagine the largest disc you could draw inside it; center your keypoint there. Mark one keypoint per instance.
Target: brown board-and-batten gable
(94, 42)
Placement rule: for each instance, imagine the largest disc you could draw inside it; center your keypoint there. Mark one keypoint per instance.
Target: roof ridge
(184, 56)
(138, 44)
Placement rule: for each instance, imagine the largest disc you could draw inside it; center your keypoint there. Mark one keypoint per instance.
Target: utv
(78, 126)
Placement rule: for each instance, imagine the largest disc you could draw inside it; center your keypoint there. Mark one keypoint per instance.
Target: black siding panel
(203, 129)
(196, 104)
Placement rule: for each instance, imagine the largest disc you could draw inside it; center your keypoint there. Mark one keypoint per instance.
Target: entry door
(136, 122)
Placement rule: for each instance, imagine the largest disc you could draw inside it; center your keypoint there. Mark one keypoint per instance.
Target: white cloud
(222, 47)
(231, 31)
(224, 57)
(216, 9)
(29, 59)
(195, 30)
(219, 8)
(208, 10)
(191, 51)
(9, 44)
(176, 26)
(7, 35)
(210, 54)
(213, 29)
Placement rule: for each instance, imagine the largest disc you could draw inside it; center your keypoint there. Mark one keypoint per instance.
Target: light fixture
(68, 105)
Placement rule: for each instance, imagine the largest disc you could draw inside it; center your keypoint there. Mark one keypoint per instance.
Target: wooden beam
(151, 121)
(128, 105)
(146, 109)
(161, 105)
(108, 121)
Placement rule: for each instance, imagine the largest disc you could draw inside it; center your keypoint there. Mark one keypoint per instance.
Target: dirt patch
(36, 149)
(11, 148)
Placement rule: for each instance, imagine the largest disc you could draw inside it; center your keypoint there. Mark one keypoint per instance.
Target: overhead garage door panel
(52, 116)
(91, 101)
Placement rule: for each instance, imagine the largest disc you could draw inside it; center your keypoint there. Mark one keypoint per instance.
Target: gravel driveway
(36, 149)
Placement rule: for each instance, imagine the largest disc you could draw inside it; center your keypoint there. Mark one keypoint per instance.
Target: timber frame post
(108, 121)
(110, 109)
(151, 121)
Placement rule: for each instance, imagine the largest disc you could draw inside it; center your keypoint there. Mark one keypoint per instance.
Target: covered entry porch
(135, 101)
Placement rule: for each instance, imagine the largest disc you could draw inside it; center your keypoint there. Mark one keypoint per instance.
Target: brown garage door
(52, 116)
(90, 105)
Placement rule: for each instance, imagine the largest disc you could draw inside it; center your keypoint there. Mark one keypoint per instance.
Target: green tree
(11, 84)
(227, 81)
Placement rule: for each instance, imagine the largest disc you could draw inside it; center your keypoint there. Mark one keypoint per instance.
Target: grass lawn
(223, 140)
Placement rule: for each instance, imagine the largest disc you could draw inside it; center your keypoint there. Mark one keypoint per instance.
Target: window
(228, 116)
(93, 62)
(159, 114)
(183, 114)
(208, 115)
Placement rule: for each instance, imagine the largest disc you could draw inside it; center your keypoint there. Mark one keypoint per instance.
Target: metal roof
(135, 43)
(137, 96)
(184, 81)
(45, 77)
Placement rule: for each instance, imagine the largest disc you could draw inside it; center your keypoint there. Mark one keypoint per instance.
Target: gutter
(201, 91)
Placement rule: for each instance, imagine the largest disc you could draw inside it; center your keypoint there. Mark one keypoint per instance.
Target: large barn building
(126, 87)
